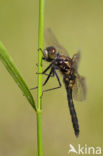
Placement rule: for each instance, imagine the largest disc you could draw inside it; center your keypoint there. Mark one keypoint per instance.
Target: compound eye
(51, 49)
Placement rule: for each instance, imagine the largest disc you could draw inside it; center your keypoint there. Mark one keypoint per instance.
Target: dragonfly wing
(51, 40)
(79, 88)
(75, 60)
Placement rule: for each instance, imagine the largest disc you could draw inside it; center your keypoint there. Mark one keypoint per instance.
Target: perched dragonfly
(74, 83)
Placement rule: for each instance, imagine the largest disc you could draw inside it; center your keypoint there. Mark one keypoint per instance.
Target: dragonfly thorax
(64, 63)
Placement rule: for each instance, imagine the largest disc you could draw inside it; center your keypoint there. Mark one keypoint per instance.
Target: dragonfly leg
(55, 73)
(40, 49)
(47, 68)
(46, 74)
(49, 75)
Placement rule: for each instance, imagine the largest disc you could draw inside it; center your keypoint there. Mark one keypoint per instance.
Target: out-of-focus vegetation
(77, 25)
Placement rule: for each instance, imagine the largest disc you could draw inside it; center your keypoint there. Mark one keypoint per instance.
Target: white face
(45, 54)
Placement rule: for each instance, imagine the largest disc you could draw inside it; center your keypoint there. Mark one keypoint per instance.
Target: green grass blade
(10, 66)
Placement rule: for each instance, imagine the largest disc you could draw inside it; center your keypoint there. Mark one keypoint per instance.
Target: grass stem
(39, 107)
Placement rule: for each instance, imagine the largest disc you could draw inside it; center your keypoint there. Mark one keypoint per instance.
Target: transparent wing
(79, 88)
(51, 40)
(76, 60)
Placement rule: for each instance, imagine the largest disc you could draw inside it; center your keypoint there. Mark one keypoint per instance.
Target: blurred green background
(77, 25)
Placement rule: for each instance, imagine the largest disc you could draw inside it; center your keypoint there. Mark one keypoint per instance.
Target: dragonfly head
(49, 53)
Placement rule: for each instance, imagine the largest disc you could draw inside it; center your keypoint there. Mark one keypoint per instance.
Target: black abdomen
(71, 108)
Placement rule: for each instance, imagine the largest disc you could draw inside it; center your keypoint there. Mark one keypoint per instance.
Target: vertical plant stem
(39, 107)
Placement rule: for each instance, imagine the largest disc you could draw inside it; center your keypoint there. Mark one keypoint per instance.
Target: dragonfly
(59, 60)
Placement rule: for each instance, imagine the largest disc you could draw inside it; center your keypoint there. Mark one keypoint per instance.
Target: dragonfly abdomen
(72, 108)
